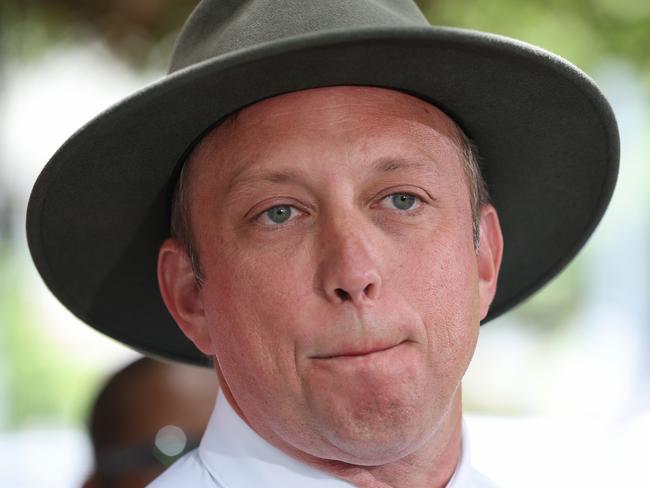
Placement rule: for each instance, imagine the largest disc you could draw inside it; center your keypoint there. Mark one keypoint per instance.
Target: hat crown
(217, 27)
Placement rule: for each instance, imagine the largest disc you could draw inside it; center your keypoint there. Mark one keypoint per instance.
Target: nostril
(368, 289)
(342, 294)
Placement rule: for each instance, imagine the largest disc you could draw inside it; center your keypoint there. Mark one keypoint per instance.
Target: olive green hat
(101, 207)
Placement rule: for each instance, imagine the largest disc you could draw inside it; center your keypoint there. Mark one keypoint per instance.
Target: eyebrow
(271, 176)
(381, 165)
(388, 164)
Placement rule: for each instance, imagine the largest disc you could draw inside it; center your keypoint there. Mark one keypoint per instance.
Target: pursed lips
(357, 352)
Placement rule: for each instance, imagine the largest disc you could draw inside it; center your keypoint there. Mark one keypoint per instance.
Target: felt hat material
(100, 209)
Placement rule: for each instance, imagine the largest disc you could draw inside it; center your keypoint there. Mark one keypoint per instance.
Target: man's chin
(376, 450)
(376, 430)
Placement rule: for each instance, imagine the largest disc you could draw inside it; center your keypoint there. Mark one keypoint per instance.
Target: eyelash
(409, 211)
(275, 224)
(418, 204)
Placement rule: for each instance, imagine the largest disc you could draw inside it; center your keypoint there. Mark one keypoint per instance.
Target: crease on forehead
(384, 165)
(322, 100)
(302, 105)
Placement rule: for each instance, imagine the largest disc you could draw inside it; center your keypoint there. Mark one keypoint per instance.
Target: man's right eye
(279, 214)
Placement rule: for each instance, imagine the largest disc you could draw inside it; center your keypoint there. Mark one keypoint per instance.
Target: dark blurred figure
(144, 418)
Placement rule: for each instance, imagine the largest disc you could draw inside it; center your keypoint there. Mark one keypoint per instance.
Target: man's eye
(401, 201)
(279, 214)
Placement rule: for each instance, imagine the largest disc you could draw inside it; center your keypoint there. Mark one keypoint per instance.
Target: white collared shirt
(232, 455)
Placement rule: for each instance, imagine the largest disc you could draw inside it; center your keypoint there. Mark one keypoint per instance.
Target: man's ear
(489, 256)
(182, 294)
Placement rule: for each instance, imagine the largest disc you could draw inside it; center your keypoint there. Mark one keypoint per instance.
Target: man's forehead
(313, 104)
(317, 109)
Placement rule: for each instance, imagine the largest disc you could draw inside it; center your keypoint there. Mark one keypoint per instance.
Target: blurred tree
(583, 31)
(130, 28)
(39, 382)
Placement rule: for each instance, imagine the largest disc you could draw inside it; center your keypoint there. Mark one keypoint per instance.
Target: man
(144, 417)
(305, 186)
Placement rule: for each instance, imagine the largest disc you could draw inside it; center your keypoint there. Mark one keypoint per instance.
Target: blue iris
(403, 201)
(279, 214)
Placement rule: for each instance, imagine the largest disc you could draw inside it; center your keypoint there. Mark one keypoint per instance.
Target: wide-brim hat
(101, 207)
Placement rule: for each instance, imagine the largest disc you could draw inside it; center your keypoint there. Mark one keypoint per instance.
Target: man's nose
(348, 267)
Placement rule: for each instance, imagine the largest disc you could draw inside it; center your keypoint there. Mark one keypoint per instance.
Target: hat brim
(547, 138)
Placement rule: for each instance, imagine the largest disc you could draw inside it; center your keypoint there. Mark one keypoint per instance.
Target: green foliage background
(40, 383)
(583, 31)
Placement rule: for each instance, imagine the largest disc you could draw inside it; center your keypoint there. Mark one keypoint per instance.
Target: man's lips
(358, 352)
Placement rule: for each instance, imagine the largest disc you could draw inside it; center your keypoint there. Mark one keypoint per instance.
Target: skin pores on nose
(265, 290)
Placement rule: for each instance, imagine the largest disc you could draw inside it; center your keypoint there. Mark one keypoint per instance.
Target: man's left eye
(279, 214)
(401, 201)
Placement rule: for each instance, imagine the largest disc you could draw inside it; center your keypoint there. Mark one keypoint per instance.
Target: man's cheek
(447, 299)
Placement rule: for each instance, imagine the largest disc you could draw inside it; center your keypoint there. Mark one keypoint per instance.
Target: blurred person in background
(323, 229)
(145, 417)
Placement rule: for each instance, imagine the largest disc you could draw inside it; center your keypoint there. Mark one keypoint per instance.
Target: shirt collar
(236, 456)
(462, 477)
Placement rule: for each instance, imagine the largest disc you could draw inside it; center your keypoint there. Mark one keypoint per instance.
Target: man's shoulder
(187, 471)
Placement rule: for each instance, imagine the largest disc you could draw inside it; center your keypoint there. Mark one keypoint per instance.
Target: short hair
(478, 190)
(181, 218)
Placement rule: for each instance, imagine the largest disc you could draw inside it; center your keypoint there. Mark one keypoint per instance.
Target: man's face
(342, 293)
